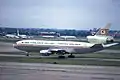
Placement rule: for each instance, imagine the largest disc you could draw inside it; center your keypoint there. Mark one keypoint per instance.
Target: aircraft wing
(66, 50)
(57, 50)
(63, 49)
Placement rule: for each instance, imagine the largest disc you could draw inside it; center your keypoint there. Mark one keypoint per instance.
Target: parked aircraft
(11, 36)
(21, 36)
(69, 37)
(17, 35)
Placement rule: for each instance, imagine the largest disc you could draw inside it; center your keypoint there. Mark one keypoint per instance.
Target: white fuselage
(11, 36)
(68, 46)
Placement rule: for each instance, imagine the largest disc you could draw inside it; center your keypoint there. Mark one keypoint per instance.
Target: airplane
(11, 36)
(47, 48)
(68, 37)
(95, 43)
(101, 36)
(17, 35)
(21, 36)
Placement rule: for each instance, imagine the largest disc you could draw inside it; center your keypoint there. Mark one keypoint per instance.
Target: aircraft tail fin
(18, 32)
(104, 31)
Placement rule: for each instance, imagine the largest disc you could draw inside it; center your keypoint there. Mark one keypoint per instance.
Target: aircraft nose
(15, 45)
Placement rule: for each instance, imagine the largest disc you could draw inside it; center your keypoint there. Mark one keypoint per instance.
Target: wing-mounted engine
(53, 51)
(58, 51)
(45, 52)
(109, 39)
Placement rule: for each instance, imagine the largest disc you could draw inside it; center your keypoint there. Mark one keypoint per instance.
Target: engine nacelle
(110, 39)
(53, 51)
(100, 39)
(45, 52)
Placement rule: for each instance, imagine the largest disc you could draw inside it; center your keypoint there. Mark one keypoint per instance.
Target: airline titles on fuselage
(59, 43)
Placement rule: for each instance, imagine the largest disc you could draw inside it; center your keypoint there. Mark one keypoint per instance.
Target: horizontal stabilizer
(109, 45)
(104, 45)
(97, 46)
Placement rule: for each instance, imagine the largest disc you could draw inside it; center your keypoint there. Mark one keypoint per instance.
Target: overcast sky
(60, 14)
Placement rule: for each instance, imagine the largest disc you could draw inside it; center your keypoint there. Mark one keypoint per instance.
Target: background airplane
(22, 36)
(18, 35)
(11, 36)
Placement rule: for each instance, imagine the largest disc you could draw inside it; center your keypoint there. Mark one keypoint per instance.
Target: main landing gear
(61, 57)
(71, 56)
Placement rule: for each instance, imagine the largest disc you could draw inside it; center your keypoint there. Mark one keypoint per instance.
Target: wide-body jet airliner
(59, 47)
(46, 48)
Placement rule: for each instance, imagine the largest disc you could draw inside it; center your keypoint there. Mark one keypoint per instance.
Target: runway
(37, 71)
(7, 48)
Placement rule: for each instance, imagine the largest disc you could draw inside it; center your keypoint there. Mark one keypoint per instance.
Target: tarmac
(39, 71)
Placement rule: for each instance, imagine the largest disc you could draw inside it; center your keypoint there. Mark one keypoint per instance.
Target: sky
(60, 14)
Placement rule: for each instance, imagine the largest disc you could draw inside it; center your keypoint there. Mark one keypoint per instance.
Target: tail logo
(103, 32)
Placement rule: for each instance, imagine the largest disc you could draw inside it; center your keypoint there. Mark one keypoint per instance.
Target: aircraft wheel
(61, 57)
(27, 54)
(71, 56)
